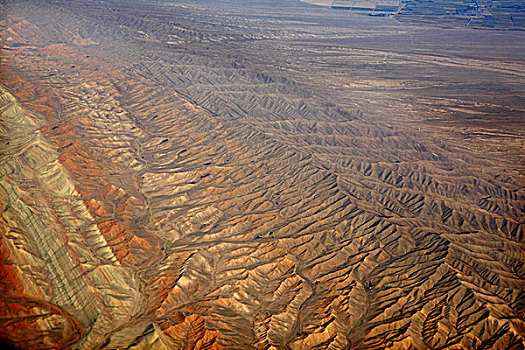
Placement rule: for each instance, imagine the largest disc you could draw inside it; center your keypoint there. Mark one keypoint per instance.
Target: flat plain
(258, 175)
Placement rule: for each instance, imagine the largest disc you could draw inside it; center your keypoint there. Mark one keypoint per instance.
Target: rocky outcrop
(62, 273)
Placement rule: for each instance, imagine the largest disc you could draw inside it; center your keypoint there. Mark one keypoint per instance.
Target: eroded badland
(258, 175)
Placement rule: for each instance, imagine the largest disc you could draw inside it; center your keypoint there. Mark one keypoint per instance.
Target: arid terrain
(495, 14)
(259, 175)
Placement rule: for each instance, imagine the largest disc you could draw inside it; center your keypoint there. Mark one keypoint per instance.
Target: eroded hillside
(182, 176)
